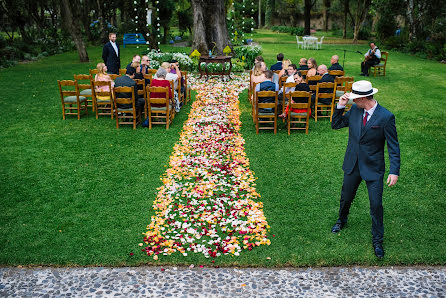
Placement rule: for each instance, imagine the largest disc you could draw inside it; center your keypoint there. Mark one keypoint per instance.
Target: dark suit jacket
(326, 78)
(366, 144)
(303, 67)
(336, 66)
(112, 61)
(125, 81)
(277, 66)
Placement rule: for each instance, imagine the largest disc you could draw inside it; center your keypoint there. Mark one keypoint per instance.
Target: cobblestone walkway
(222, 282)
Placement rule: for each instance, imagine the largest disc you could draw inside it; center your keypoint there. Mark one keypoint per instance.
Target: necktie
(364, 121)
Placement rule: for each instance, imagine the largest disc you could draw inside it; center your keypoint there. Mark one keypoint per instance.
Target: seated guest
(312, 67)
(372, 57)
(103, 76)
(335, 63)
(303, 64)
(292, 69)
(136, 58)
(278, 65)
(128, 81)
(301, 86)
(284, 70)
(145, 62)
(258, 74)
(138, 74)
(172, 77)
(174, 64)
(258, 59)
(326, 78)
(161, 81)
(267, 85)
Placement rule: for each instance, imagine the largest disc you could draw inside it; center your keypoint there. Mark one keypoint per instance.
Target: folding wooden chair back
(266, 113)
(163, 114)
(103, 99)
(282, 81)
(312, 82)
(71, 99)
(127, 115)
(324, 102)
(252, 100)
(286, 96)
(250, 86)
(93, 72)
(186, 87)
(340, 85)
(84, 83)
(299, 111)
(380, 69)
(304, 74)
(336, 73)
(113, 76)
(152, 71)
(122, 71)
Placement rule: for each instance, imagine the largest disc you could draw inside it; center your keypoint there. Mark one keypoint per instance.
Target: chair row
(76, 97)
(325, 96)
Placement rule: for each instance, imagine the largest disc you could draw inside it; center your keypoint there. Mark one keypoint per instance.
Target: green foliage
(247, 54)
(292, 30)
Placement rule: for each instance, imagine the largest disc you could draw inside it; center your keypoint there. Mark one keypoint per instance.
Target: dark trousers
(375, 190)
(365, 65)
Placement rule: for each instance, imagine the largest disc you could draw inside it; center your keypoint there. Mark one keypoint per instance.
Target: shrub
(156, 58)
(247, 54)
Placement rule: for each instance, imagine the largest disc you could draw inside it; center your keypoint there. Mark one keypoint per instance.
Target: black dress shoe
(362, 74)
(337, 227)
(379, 250)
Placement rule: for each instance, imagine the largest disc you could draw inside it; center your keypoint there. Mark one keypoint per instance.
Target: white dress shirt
(114, 47)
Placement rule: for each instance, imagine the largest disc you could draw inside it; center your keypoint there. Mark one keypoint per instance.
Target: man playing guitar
(372, 57)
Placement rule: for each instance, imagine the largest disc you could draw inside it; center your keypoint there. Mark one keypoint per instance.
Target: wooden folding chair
(126, 116)
(250, 86)
(141, 85)
(380, 69)
(312, 82)
(103, 100)
(304, 74)
(85, 86)
(282, 81)
(71, 99)
(93, 72)
(266, 117)
(122, 71)
(113, 76)
(286, 96)
(186, 87)
(253, 101)
(159, 115)
(302, 101)
(336, 73)
(152, 71)
(324, 109)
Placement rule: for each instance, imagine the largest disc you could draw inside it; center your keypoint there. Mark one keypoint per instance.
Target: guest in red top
(160, 81)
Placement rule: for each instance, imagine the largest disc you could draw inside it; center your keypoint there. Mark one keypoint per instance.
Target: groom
(370, 126)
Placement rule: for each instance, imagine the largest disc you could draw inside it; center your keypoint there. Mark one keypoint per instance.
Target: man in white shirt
(111, 55)
(372, 57)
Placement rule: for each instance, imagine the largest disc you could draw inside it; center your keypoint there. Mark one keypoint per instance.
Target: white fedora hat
(362, 89)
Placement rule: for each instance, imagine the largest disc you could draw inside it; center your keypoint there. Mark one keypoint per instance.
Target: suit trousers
(365, 65)
(375, 191)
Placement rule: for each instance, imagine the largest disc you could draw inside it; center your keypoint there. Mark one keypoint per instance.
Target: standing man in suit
(370, 126)
(111, 54)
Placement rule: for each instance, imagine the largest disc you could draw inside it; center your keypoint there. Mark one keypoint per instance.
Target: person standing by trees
(111, 54)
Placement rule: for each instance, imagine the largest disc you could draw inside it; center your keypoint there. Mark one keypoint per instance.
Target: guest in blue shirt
(278, 65)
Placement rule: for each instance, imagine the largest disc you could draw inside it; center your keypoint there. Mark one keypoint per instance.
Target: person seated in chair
(259, 59)
(312, 67)
(136, 58)
(128, 81)
(301, 86)
(103, 76)
(326, 78)
(278, 65)
(371, 58)
(267, 85)
(161, 81)
(303, 64)
(335, 63)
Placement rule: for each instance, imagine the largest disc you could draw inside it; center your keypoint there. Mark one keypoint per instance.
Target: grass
(80, 192)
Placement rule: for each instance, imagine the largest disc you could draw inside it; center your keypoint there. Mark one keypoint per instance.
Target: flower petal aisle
(208, 202)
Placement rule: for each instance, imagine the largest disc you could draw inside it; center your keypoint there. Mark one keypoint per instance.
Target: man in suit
(111, 55)
(335, 63)
(370, 126)
(326, 78)
(278, 65)
(267, 85)
(303, 64)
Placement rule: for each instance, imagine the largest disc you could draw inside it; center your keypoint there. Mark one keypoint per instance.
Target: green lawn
(80, 192)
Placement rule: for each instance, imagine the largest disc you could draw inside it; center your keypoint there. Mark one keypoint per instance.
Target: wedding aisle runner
(208, 202)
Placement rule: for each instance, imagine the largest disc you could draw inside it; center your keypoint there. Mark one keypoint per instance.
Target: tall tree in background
(307, 15)
(346, 6)
(362, 8)
(71, 17)
(210, 30)
(326, 13)
(270, 12)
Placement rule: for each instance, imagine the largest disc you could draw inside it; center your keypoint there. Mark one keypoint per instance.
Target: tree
(361, 12)
(346, 6)
(210, 30)
(270, 12)
(71, 17)
(307, 15)
(325, 13)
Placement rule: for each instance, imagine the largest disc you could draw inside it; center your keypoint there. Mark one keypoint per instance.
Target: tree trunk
(269, 12)
(411, 19)
(346, 10)
(325, 12)
(361, 13)
(210, 31)
(74, 27)
(307, 16)
(260, 15)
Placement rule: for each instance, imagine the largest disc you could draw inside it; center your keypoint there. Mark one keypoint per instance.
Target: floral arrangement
(248, 54)
(208, 203)
(156, 58)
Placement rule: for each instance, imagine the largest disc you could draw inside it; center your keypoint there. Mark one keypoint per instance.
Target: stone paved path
(223, 282)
